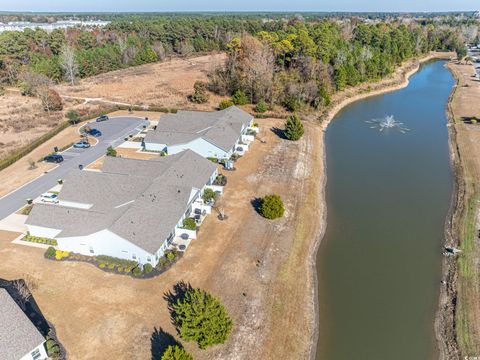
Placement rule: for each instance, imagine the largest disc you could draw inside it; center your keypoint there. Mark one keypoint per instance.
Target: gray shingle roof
(221, 128)
(139, 200)
(18, 336)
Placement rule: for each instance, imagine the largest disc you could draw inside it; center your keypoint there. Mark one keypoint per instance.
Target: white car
(49, 197)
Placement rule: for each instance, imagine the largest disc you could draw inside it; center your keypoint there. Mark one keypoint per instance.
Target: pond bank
(459, 310)
(397, 81)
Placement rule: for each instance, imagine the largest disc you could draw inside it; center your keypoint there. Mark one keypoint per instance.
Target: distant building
(19, 338)
(22, 25)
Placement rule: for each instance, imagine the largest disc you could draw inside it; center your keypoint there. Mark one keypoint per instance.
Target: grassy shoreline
(462, 273)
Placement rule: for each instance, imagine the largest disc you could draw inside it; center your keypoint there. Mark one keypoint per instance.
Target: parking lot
(113, 133)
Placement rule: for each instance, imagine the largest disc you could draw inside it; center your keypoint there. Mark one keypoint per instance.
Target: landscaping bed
(119, 266)
(40, 240)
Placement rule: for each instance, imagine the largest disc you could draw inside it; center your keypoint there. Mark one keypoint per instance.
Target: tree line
(300, 64)
(291, 61)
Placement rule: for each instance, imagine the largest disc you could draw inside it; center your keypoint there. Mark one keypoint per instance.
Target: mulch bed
(156, 271)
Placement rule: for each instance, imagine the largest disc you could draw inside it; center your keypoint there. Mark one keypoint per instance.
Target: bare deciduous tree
(220, 208)
(69, 63)
(24, 288)
(159, 50)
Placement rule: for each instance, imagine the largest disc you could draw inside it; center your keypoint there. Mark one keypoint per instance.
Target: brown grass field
(465, 104)
(259, 268)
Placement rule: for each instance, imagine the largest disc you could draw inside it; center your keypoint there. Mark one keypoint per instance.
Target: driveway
(113, 133)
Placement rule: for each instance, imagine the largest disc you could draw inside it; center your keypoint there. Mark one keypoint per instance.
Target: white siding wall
(41, 349)
(44, 232)
(154, 147)
(201, 147)
(106, 243)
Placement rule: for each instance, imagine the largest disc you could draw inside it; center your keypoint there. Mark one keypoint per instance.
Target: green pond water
(388, 194)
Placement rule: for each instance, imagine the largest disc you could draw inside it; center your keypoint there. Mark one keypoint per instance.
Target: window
(125, 251)
(91, 250)
(134, 256)
(36, 354)
(149, 259)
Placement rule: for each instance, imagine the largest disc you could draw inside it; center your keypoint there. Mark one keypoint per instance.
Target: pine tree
(175, 352)
(201, 317)
(293, 128)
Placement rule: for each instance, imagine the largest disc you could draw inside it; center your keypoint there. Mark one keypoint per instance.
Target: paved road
(113, 133)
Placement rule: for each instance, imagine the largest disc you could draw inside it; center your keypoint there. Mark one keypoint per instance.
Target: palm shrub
(239, 98)
(201, 317)
(271, 207)
(175, 352)
(293, 128)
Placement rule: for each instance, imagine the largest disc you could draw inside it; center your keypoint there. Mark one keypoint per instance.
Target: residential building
(218, 134)
(131, 209)
(19, 338)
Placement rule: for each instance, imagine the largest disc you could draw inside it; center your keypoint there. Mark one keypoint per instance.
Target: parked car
(95, 132)
(102, 118)
(49, 197)
(82, 144)
(55, 158)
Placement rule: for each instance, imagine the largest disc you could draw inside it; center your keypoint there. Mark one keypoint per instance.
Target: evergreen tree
(175, 352)
(201, 317)
(271, 207)
(293, 128)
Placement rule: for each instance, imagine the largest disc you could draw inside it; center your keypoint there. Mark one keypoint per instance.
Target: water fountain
(388, 122)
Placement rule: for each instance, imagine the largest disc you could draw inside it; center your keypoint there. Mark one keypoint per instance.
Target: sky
(238, 5)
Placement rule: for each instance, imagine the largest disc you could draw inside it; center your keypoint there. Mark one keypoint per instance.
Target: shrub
(200, 95)
(175, 352)
(239, 98)
(101, 266)
(120, 269)
(271, 207)
(52, 101)
(201, 317)
(50, 253)
(293, 128)
(73, 116)
(208, 195)
(170, 255)
(261, 106)
(127, 270)
(220, 180)
(224, 104)
(189, 224)
(111, 151)
(147, 268)
(111, 266)
(137, 271)
(59, 254)
(116, 261)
